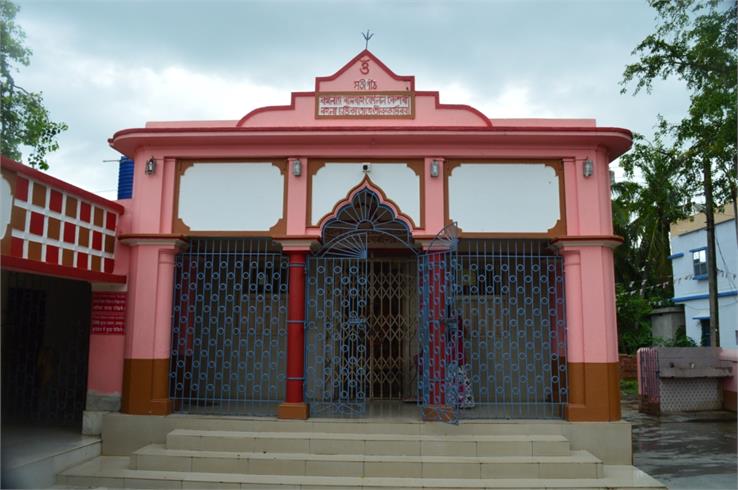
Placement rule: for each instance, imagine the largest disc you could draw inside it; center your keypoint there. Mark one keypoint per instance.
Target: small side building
(689, 266)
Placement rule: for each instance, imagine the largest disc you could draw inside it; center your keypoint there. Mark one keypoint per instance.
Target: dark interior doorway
(45, 342)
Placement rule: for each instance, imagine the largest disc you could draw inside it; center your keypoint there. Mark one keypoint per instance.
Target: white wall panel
(231, 196)
(332, 182)
(6, 205)
(504, 198)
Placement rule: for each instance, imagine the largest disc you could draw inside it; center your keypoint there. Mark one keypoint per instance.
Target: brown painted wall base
(293, 411)
(729, 400)
(146, 387)
(594, 392)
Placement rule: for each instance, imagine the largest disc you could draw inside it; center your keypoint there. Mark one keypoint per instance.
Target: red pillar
(294, 407)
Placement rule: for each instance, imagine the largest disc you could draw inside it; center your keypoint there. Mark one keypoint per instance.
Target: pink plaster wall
(152, 207)
(167, 194)
(105, 362)
(152, 194)
(588, 206)
(730, 355)
(105, 368)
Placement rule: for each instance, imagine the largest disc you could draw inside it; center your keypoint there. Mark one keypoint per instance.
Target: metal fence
(510, 299)
(229, 327)
(336, 354)
(648, 379)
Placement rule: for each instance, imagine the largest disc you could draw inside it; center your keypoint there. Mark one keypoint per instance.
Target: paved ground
(686, 451)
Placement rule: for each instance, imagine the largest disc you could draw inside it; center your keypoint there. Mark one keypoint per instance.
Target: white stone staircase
(364, 455)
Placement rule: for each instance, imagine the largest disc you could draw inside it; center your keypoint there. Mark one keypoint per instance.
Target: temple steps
(373, 456)
(371, 444)
(578, 464)
(114, 472)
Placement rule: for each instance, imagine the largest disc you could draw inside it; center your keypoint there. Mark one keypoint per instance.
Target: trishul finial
(367, 36)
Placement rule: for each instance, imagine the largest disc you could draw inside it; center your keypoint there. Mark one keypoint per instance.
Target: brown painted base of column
(146, 387)
(293, 411)
(438, 413)
(729, 400)
(594, 392)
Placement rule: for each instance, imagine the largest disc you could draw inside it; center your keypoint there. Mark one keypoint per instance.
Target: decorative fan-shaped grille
(446, 239)
(367, 215)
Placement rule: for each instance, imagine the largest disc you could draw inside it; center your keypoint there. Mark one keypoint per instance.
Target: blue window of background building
(699, 261)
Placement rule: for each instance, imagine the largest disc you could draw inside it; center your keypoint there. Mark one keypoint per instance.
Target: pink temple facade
(291, 177)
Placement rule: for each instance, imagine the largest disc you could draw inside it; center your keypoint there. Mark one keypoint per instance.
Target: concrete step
(32, 457)
(114, 472)
(579, 464)
(407, 426)
(369, 444)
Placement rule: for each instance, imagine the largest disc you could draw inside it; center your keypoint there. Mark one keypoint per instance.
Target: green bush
(634, 326)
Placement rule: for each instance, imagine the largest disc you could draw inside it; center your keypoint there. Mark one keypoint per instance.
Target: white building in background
(689, 266)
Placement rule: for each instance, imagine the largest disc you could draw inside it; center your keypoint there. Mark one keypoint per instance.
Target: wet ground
(689, 450)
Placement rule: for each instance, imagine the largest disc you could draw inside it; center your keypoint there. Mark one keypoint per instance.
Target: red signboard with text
(108, 313)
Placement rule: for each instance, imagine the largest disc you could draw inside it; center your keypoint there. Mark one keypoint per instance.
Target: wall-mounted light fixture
(435, 168)
(150, 168)
(588, 168)
(366, 167)
(296, 167)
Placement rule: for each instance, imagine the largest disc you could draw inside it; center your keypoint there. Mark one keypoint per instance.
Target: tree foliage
(24, 121)
(695, 41)
(653, 197)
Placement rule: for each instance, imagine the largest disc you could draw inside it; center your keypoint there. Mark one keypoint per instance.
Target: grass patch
(629, 386)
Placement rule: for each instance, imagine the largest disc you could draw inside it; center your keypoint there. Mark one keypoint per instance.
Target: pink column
(297, 197)
(592, 342)
(148, 337)
(434, 218)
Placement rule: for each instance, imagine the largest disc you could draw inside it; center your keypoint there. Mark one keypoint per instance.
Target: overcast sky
(109, 65)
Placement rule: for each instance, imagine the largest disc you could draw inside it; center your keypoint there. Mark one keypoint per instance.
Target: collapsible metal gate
(229, 327)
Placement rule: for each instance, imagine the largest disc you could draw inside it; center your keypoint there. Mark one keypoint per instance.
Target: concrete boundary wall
(730, 385)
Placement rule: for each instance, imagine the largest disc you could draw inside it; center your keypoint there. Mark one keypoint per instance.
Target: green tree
(644, 206)
(24, 121)
(653, 198)
(695, 41)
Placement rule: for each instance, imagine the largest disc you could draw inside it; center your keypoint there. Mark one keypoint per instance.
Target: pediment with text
(365, 92)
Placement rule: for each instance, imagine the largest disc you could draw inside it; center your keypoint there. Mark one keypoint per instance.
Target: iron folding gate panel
(229, 327)
(336, 367)
(510, 300)
(442, 388)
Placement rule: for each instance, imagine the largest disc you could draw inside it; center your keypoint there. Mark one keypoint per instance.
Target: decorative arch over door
(365, 214)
